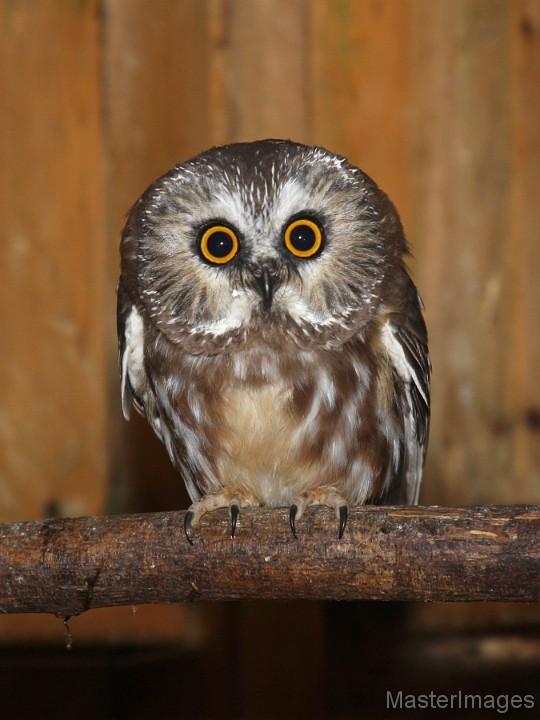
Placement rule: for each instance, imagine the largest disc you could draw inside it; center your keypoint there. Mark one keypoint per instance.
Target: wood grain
(360, 86)
(53, 444)
(461, 221)
(69, 566)
(259, 69)
(522, 369)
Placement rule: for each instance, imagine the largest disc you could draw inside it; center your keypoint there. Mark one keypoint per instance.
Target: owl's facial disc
(266, 237)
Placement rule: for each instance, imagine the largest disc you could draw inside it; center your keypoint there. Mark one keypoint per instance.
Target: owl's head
(270, 237)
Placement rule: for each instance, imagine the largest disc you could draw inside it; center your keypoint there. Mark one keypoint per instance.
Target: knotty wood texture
(388, 553)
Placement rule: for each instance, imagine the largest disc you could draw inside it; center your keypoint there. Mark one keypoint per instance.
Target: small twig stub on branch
(67, 566)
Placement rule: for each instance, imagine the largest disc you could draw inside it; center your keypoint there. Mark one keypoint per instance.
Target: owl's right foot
(320, 496)
(233, 499)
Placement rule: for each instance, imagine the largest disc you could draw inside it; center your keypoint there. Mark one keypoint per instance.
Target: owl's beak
(265, 285)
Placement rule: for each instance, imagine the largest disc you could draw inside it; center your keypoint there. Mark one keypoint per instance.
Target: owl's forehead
(257, 187)
(261, 202)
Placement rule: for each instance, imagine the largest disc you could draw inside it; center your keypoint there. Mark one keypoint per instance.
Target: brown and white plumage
(275, 379)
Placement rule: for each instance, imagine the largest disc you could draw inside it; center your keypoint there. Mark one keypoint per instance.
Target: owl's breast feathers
(281, 420)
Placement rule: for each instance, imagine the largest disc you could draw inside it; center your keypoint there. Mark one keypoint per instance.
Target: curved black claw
(188, 519)
(235, 512)
(292, 519)
(343, 515)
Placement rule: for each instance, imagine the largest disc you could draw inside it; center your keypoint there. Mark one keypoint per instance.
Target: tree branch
(67, 566)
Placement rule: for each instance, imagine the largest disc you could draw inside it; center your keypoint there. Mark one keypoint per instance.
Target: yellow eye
(219, 244)
(303, 238)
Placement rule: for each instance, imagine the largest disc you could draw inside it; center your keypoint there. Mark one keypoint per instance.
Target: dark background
(439, 101)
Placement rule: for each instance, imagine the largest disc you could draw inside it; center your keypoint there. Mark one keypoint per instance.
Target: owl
(270, 333)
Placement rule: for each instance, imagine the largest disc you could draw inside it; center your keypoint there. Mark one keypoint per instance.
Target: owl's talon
(343, 515)
(292, 520)
(188, 530)
(235, 512)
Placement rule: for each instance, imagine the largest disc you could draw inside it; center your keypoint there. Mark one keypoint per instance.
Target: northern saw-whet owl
(271, 335)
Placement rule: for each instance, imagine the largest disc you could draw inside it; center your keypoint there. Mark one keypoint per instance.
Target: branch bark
(67, 566)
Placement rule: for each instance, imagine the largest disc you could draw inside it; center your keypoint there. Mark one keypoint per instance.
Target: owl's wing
(135, 387)
(405, 339)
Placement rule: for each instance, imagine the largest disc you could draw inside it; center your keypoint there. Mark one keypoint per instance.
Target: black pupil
(302, 237)
(219, 244)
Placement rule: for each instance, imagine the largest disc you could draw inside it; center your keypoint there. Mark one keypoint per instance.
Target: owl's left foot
(320, 496)
(231, 498)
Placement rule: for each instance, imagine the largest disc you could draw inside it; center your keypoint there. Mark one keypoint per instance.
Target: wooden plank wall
(53, 262)
(438, 101)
